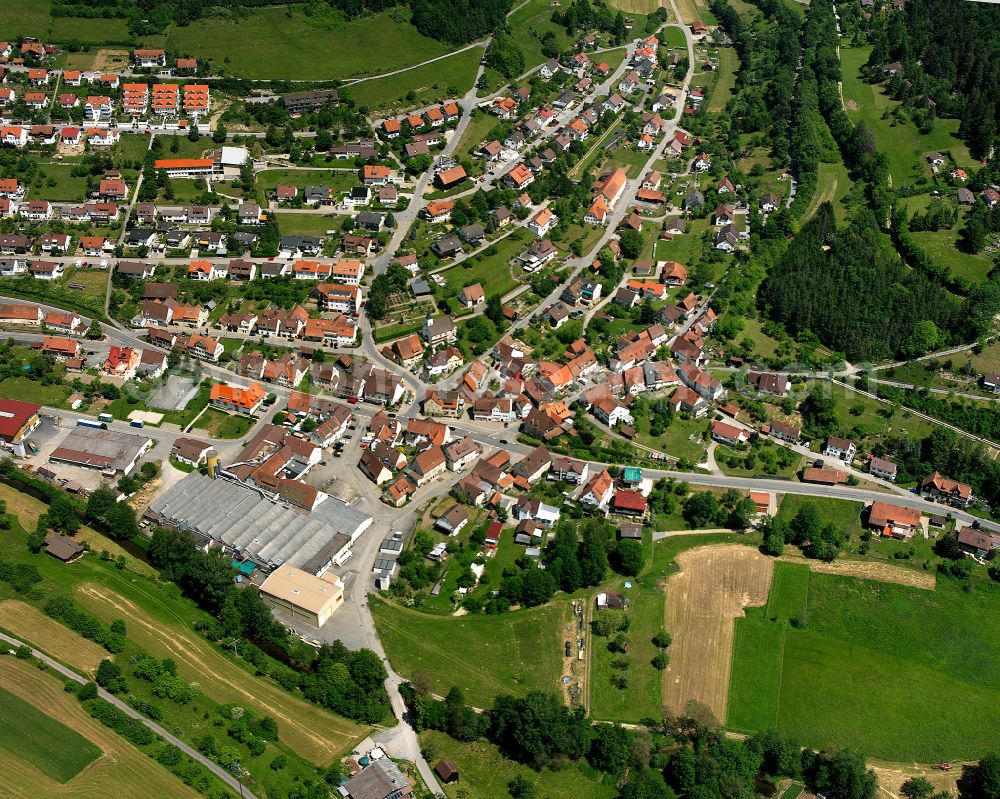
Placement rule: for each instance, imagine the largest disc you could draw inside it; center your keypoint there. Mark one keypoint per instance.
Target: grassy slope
(484, 655)
(430, 83)
(25, 18)
(269, 43)
(905, 146)
(911, 673)
(41, 740)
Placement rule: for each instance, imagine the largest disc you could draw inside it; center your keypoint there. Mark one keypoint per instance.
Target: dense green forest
(948, 50)
(856, 296)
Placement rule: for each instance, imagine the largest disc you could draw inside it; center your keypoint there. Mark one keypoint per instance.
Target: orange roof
(376, 171)
(182, 163)
(234, 395)
(439, 207)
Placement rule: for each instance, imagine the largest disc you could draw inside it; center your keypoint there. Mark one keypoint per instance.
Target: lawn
(483, 655)
(529, 24)
(905, 146)
(685, 247)
(22, 388)
(82, 29)
(485, 772)
(755, 685)
(307, 224)
(643, 698)
(430, 83)
(130, 149)
(275, 43)
(491, 270)
(726, 81)
(832, 185)
(673, 37)
(58, 185)
(224, 425)
(339, 180)
(25, 18)
(842, 513)
(849, 673)
(676, 440)
(941, 246)
(52, 748)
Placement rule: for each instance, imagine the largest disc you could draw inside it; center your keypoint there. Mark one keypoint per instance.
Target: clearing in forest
(713, 587)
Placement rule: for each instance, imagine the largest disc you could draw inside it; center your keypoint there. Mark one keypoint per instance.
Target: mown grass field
(832, 185)
(32, 391)
(941, 246)
(789, 592)
(911, 672)
(673, 36)
(25, 18)
(430, 83)
(120, 771)
(51, 747)
(88, 30)
(643, 697)
(278, 43)
(485, 772)
(156, 625)
(483, 655)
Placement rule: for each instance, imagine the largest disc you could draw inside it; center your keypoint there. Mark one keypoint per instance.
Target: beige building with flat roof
(301, 595)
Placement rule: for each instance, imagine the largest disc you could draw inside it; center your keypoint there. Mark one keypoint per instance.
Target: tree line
(349, 683)
(687, 755)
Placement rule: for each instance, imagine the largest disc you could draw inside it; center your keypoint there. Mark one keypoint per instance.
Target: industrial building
(17, 420)
(302, 596)
(255, 524)
(111, 452)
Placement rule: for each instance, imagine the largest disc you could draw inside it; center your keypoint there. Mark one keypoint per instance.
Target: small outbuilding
(447, 771)
(62, 548)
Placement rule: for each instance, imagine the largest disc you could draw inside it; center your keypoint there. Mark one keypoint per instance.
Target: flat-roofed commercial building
(302, 596)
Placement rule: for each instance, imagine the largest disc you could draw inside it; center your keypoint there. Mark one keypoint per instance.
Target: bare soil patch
(851, 105)
(868, 570)
(703, 599)
(53, 638)
(122, 771)
(306, 728)
(110, 60)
